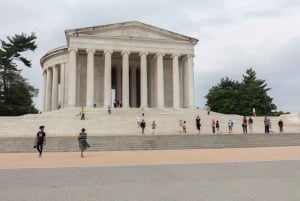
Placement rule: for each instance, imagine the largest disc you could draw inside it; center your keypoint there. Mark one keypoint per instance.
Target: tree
(15, 92)
(232, 97)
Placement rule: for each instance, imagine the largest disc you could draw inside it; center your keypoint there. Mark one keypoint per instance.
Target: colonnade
(55, 84)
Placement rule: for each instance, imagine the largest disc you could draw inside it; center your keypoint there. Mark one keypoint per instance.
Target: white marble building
(137, 64)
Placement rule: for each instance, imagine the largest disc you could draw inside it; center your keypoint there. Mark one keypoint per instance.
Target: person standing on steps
(213, 126)
(250, 123)
(109, 109)
(83, 144)
(244, 125)
(143, 112)
(82, 113)
(198, 123)
(218, 127)
(230, 126)
(280, 124)
(40, 140)
(153, 127)
(184, 126)
(143, 126)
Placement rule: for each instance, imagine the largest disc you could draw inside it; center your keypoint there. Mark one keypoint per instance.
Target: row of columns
(51, 81)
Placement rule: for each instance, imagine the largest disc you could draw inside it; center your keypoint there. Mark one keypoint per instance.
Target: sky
(233, 36)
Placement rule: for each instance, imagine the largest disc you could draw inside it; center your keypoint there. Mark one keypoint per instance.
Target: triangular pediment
(130, 30)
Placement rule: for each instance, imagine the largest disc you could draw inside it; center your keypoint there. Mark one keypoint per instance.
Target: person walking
(213, 126)
(40, 140)
(82, 140)
(280, 124)
(109, 109)
(198, 123)
(82, 114)
(244, 125)
(143, 125)
(153, 127)
(250, 124)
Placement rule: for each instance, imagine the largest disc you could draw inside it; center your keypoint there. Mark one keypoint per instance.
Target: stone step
(152, 142)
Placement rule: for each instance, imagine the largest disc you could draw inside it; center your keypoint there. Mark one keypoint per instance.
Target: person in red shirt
(244, 125)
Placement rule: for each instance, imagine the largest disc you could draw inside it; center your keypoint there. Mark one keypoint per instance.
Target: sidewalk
(128, 158)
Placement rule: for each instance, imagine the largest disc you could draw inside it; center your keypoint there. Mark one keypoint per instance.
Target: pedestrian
(82, 114)
(143, 112)
(217, 126)
(266, 124)
(83, 144)
(143, 125)
(153, 127)
(180, 126)
(184, 126)
(280, 124)
(213, 126)
(244, 125)
(138, 121)
(40, 140)
(250, 124)
(208, 110)
(198, 123)
(253, 112)
(109, 109)
(230, 126)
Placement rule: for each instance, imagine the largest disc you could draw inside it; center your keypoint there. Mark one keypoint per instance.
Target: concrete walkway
(129, 158)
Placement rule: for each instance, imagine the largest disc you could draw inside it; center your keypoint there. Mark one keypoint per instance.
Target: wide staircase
(119, 131)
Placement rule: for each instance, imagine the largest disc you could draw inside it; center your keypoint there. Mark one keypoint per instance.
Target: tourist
(244, 125)
(217, 126)
(253, 112)
(109, 109)
(230, 126)
(83, 144)
(266, 124)
(138, 121)
(180, 126)
(115, 103)
(153, 127)
(184, 126)
(213, 126)
(198, 123)
(280, 124)
(208, 110)
(143, 111)
(40, 140)
(143, 125)
(250, 123)
(82, 114)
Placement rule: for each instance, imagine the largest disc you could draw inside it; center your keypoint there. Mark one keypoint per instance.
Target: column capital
(125, 52)
(90, 50)
(73, 49)
(175, 55)
(143, 53)
(160, 54)
(108, 51)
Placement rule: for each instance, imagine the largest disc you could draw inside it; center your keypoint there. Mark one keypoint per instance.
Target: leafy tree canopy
(15, 92)
(233, 97)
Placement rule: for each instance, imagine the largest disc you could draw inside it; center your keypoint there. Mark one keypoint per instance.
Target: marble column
(191, 87)
(160, 80)
(119, 84)
(62, 85)
(55, 88)
(90, 78)
(143, 80)
(44, 90)
(125, 79)
(49, 89)
(107, 77)
(133, 86)
(72, 77)
(176, 89)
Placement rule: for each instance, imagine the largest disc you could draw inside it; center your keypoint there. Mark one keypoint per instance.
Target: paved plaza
(240, 174)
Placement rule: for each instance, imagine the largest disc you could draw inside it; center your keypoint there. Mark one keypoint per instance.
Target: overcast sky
(233, 36)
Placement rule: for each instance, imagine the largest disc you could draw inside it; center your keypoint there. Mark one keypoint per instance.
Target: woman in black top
(198, 124)
(83, 144)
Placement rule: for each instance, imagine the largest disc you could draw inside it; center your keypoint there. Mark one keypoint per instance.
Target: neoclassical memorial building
(136, 64)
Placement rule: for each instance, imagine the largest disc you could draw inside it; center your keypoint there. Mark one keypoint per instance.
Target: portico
(136, 64)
